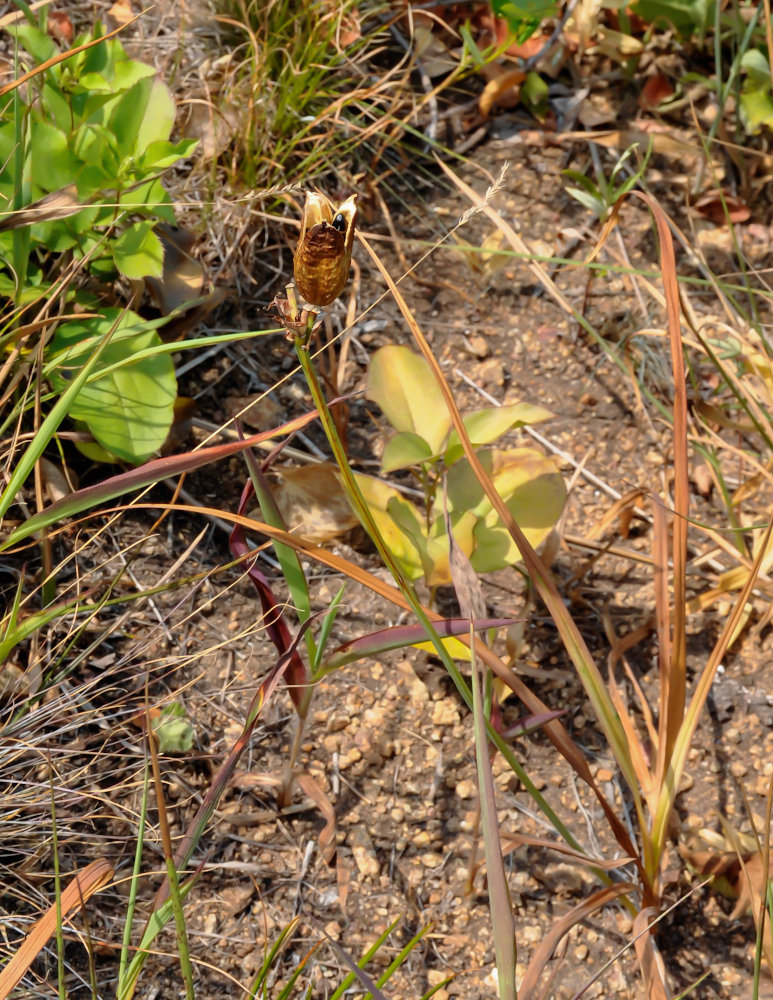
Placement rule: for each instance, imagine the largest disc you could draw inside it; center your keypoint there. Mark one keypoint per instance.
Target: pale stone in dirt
(364, 852)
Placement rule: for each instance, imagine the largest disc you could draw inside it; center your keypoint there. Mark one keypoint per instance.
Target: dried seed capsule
(324, 251)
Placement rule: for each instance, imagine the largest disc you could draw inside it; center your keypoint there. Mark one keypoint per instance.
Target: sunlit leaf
(403, 386)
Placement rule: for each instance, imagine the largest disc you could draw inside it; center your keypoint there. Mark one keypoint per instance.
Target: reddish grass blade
(93, 878)
(404, 635)
(512, 840)
(146, 475)
(296, 674)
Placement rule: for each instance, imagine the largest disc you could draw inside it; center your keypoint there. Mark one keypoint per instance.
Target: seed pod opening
(324, 252)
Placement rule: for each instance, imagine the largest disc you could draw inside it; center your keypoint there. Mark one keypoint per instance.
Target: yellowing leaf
(402, 384)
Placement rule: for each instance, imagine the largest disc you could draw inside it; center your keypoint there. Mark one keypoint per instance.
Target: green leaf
(594, 202)
(39, 45)
(404, 449)
(95, 83)
(486, 425)
(129, 71)
(162, 153)
(173, 729)
(129, 410)
(128, 116)
(378, 497)
(52, 164)
(687, 16)
(531, 487)
(514, 11)
(150, 199)
(755, 64)
(138, 253)
(402, 384)
(159, 117)
(534, 94)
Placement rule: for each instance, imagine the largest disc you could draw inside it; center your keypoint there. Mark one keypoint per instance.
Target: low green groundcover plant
(83, 144)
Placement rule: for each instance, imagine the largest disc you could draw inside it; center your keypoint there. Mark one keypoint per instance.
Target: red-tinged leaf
(531, 723)
(145, 475)
(656, 89)
(510, 841)
(403, 635)
(296, 674)
(722, 208)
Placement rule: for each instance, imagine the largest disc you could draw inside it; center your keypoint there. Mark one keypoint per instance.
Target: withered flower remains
(324, 251)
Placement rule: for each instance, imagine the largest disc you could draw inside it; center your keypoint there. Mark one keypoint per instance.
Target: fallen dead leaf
(656, 89)
(313, 502)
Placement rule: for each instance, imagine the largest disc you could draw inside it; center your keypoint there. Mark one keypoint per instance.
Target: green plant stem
(134, 885)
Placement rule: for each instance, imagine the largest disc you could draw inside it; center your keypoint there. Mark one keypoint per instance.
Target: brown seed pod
(324, 251)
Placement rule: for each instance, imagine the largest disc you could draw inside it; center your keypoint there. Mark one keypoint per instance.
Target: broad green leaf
(129, 71)
(58, 110)
(150, 199)
(687, 16)
(756, 66)
(129, 410)
(162, 153)
(158, 121)
(52, 164)
(404, 449)
(486, 425)
(138, 253)
(95, 83)
(39, 44)
(402, 384)
(531, 487)
(128, 116)
(62, 234)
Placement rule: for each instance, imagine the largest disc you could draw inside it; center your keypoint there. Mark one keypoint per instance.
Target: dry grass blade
(651, 964)
(547, 946)
(327, 835)
(499, 893)
(93, 878)
(512, 840)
